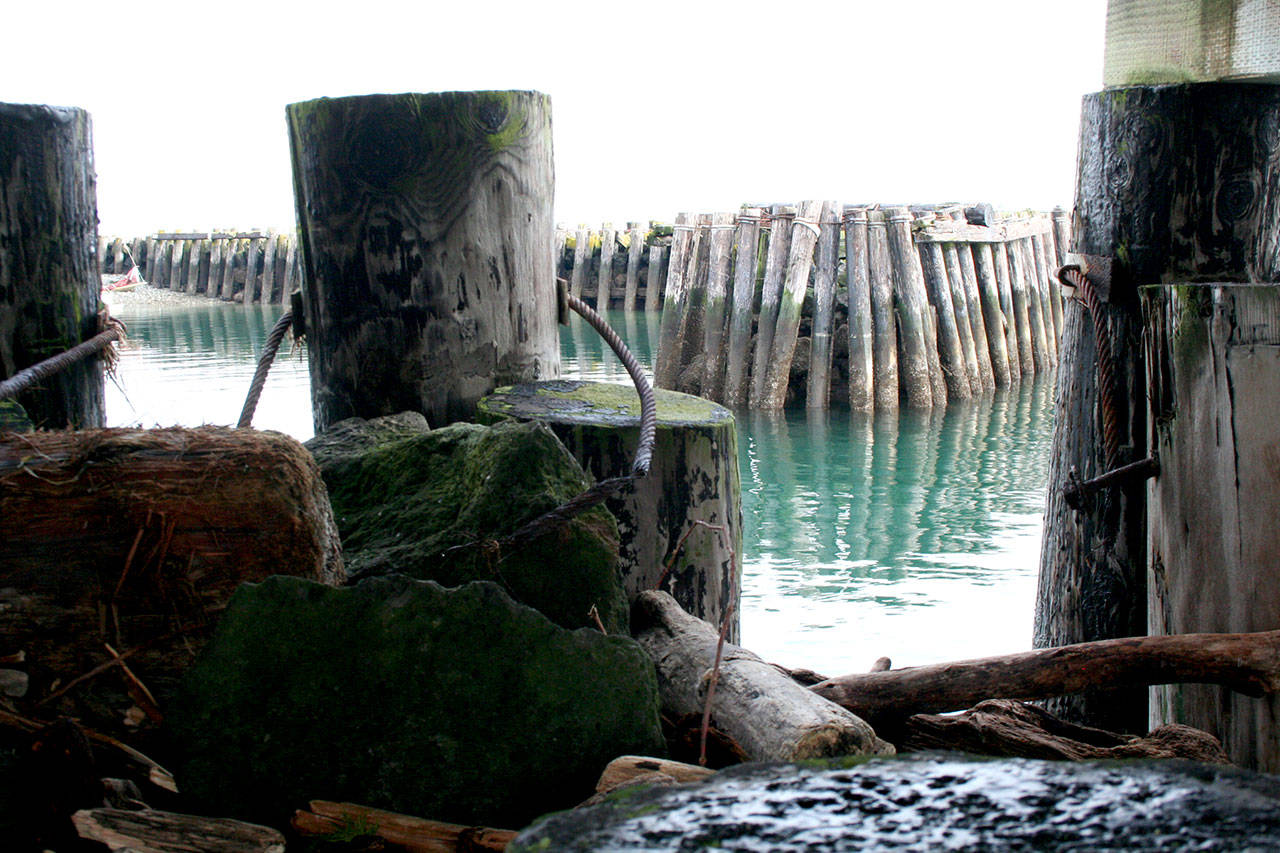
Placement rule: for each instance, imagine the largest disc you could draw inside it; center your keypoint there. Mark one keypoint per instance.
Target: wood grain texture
(954, 368)
(912, 304)
(775, 272)
(742, 315)
(826, 266)
(861, 335)
(426, 239)
(49, 282)
(716, 315)
(804, 238)
(883, 317)
(1177, 183)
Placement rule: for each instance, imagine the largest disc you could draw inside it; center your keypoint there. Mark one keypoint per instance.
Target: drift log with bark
(770, 716)
(1247, 663)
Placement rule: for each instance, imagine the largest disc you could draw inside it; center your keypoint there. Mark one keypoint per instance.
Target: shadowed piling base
(694, 478)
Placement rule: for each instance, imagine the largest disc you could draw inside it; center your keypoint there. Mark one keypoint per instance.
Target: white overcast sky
(657, 106)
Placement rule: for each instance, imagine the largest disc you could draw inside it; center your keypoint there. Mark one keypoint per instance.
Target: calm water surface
(912, 536)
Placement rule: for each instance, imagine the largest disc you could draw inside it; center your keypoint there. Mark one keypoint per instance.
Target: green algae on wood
(693, 481)
(426, 238)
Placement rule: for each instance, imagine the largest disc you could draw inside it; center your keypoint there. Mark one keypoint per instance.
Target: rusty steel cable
(269, 349)
(26, 378)
(1073, 276)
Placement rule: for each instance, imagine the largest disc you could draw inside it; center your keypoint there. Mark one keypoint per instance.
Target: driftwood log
(1001, 727)
(149, 831)
(410, 834)
(770, 716)
(1247, 663)
(120, 547)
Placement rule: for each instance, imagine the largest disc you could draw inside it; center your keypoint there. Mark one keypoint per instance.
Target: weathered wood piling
(49, 281)
(250, 267)
(1200, 204)
(441, 286)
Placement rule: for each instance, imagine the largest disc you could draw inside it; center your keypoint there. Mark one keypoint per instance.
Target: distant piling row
(883, 306)
(250, 267)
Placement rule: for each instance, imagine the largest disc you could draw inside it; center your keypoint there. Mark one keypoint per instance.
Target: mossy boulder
(431, 505)
(458, 704)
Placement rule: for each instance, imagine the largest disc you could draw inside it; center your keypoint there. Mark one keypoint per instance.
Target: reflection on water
(914, 536)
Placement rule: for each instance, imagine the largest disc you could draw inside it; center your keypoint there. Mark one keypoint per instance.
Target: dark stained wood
(409, 834)
(150, 831)
(1177, 183)
(49, 283)
(426, 242)
(1004, 728)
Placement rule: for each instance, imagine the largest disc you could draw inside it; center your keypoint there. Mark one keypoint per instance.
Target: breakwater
(253, 267)
(877, 306)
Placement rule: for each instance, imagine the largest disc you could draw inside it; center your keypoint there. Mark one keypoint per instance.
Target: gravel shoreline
(145, 294)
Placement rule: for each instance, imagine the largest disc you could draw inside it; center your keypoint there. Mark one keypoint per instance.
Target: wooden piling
(714, 315)
(152, 243)
(1035, 307)
(557, 254)
(667, 365)
(775, 270)
(117, 255)
(291, 278)
(177, 265)
(1214, 565)
(883, 316)
(964, 328)
(694, 481)
(604, 278)
(1201, 203)
(227, 286)
(441, 287)
(635, 254)
(217, 258)
(581, 260)
(804, 237)
(861, 337)
(1000, 259)
(1051, 294)
(1021, 305)
(951, 352)
(913, 372)
(826, 267)
(252, 274)
(691, 333)
(1061, 235)
(653, 280)
(992, 315)
(269, 269)
(191, 264)
(977, 322)
(49, 281)
(747, 242)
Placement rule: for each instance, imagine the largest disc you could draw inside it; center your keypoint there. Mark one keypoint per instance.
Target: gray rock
(455, 704)
(934, 802)
(425, 503)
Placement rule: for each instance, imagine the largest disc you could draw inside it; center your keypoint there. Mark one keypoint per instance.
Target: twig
(116, 661)
(595, 615)
(137, 690)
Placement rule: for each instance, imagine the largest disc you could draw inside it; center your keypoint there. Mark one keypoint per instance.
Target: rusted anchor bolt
(1076, 490)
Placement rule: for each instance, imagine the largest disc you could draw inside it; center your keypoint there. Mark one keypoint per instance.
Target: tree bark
(770, 716)
(49, 282)
(1247, 663)
(426, 236)
(150, 831)
(410, 834)
(1003, 728)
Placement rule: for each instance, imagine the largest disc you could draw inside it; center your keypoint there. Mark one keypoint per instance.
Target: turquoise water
(915, 536)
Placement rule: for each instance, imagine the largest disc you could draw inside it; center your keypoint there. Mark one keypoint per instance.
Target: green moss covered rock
(457, 704)
(430, 505)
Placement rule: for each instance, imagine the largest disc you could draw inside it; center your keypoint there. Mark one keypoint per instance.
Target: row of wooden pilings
(241, 266)
(940, 304)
